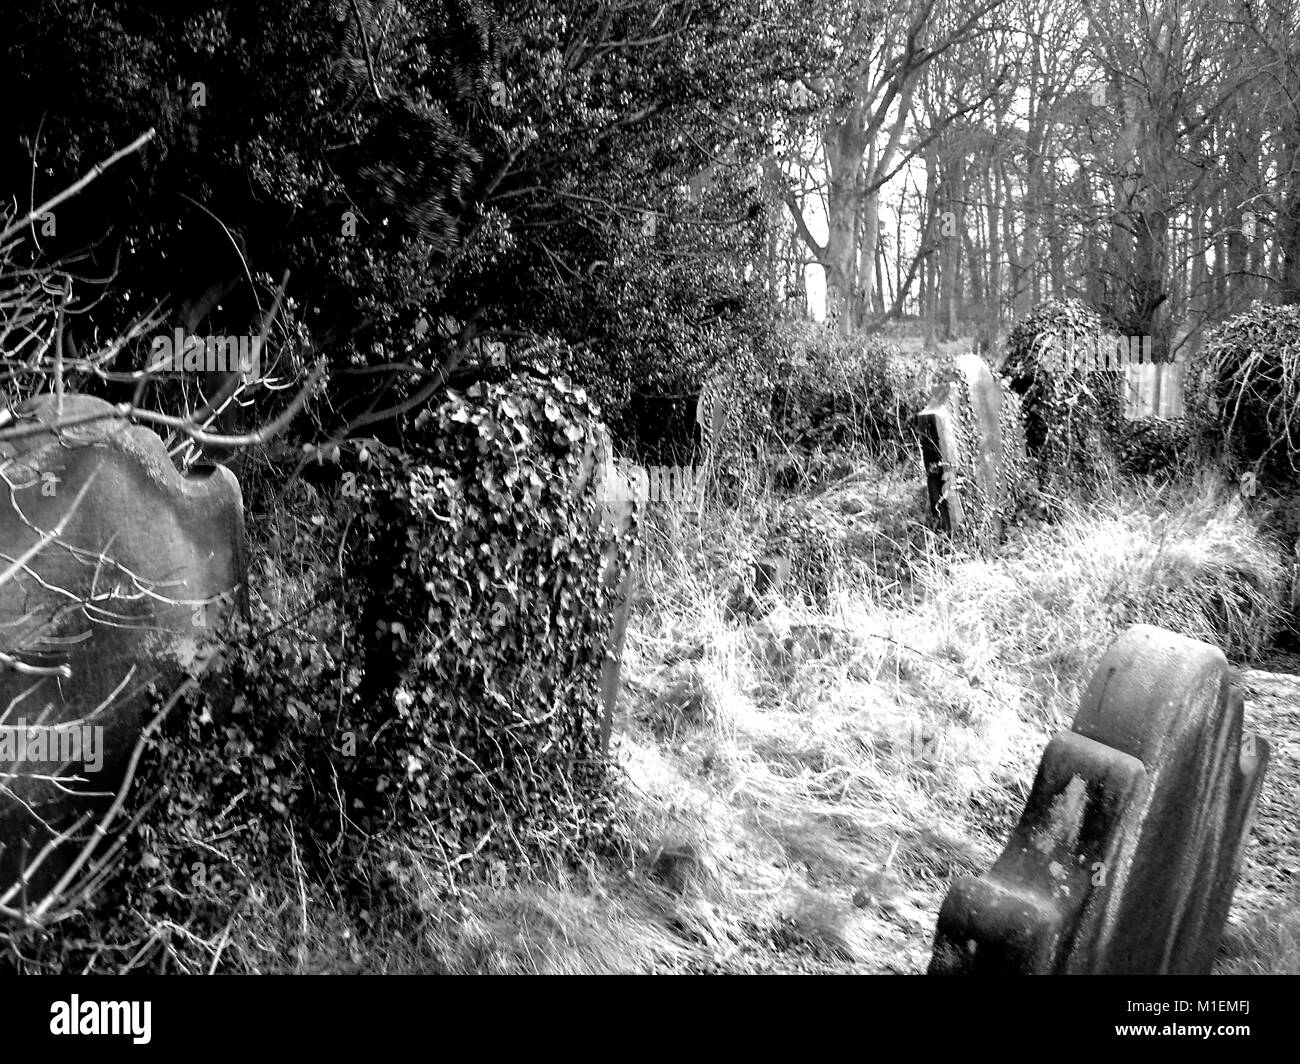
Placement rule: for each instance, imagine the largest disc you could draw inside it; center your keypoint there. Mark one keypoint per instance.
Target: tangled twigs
(1246, 391)
(49, 205)
(9, 660)
(64, 897)
(33, 305)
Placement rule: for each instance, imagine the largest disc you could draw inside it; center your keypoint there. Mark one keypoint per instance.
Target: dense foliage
(1072, 413)
(1154, 446)
(1244, 394)
(835, 393)
(428, 172)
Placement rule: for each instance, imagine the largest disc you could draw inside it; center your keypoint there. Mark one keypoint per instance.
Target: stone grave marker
(616, 516)
(973, 446)
(1127, 853)
(141, 570)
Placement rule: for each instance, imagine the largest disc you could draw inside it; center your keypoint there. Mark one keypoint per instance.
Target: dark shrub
(1153, 445)
(1243, 393)
(834, 394)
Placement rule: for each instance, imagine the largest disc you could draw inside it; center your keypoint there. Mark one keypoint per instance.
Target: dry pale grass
(1267, 944)
(1186, 559)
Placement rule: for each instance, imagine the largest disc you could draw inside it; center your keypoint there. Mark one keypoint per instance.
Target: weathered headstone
(972, 443)
(612, 668)
(711, 413)
(617, 517)
(126, 594)
(1127, 853)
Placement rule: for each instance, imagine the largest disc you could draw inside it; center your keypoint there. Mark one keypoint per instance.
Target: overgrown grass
(1266, 944)
(802, 780)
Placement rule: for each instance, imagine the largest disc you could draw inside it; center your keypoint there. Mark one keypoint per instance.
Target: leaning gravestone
(1126, 856)
(144, 565)
(973, 446)
(617, 495)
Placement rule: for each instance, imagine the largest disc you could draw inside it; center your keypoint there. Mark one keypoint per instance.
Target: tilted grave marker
(618, 498)
(145, 565)
(973, 446)
(1126, 856)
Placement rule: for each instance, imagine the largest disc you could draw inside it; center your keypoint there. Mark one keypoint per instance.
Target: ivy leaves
(508, 663)
(1073, 415)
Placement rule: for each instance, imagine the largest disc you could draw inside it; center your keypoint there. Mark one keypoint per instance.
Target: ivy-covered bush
(835, 393)
(1243, 393)
(411, 704)
(1073, 415)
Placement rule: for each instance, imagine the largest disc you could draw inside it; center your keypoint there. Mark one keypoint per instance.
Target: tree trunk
(1288, 220)
(993, 267)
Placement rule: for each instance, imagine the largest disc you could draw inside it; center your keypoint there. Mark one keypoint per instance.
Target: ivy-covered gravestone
(1243, 395)
(488, 583)
(973, 446)
(1058, 361)
(1126, 856)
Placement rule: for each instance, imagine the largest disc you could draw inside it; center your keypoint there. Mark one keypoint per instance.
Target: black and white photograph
(650, 487)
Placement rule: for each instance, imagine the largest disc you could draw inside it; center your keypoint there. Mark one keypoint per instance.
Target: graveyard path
(1270, 872)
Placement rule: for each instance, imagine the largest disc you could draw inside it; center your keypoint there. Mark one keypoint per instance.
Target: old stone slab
(1127, 853)
(138, 577)
(618, 495)
(972, 444)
